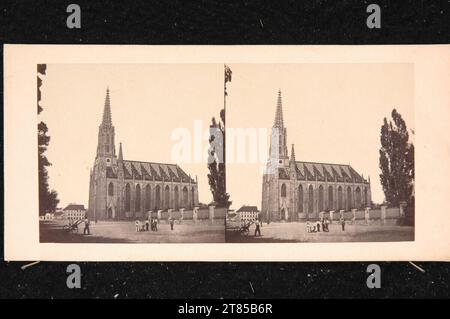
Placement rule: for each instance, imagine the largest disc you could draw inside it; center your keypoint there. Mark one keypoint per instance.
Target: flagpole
(224, 127)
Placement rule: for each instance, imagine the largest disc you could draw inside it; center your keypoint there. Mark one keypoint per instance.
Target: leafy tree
(216, 162)
(397, 162)
(48, 199)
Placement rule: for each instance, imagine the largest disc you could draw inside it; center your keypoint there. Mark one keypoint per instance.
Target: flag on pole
(227, 74)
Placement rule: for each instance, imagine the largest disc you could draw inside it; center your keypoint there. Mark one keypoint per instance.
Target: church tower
(105, 146)
(278, 140)
(105, 160)
(278, 158)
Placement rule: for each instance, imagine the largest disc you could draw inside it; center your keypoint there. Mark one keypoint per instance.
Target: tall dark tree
(48, 199)
(397, 161)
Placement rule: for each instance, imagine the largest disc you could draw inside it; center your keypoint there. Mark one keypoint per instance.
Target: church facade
(121, 189)
(296, 190)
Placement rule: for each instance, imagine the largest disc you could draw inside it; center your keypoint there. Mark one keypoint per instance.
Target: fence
(383, 215)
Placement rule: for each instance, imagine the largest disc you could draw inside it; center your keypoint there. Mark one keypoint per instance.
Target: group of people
(148, 224)
(322, 223)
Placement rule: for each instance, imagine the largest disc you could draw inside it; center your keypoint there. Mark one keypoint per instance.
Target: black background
(220, 22)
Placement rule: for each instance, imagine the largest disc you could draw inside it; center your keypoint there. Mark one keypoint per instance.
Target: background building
(294, 190)
(248, 213)
(74, 211)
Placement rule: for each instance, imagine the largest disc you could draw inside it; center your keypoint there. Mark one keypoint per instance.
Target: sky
(333, 114)
(149, 102)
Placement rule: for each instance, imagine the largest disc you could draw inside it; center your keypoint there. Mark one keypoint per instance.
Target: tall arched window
(137, 201)
(193, 203)
(148, 198)
(185, 198)
(283, 190)
(358, 197)
(176, 198)
(340, 206)
(300, 199)
(111, 189)
(157, 197)
(127, 198)
(330, 198)
(310, 199)
(349, 198)
(320, 198)
(167, 197)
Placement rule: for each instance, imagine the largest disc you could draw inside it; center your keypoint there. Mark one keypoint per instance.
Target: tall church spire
(106, 147)
(292, 154)
(120, 152)
(278, 123)
(278, 140)
(107, 122)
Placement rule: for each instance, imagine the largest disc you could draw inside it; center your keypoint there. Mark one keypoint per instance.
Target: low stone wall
(209, 214)
(383, 215)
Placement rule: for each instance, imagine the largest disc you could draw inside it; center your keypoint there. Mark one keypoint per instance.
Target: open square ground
(296, 232)
(125, 232)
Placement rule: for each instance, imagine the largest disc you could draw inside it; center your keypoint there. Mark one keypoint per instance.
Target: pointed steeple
(107, 122)
(120, 152)
(292, 154)
(279, 113)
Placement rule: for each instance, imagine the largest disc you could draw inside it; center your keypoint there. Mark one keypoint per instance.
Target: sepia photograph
(329, 153)
(171, 153)
(123, 153)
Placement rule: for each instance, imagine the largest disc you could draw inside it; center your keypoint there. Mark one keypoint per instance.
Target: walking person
(343, 223)
(171, 223)
(86, 226)
(257, 228)
(147, 224)
(318, 226)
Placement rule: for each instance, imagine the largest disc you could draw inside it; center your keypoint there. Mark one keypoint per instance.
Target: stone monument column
(211, 213)
(159, 214)
(402, 206)
(367, 215)
(354, 215)
(195, 214)
(383, 214)
(182, 213)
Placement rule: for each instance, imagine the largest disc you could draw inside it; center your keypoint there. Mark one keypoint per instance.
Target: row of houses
(71, 211)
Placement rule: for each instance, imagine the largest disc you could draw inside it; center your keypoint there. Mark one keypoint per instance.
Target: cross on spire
(278, 123)
(107, 111)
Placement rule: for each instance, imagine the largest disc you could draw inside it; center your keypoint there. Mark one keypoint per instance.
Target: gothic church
(295, 190)
(121, 189)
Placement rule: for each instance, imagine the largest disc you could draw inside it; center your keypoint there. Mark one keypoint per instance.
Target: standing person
(156, 224)
(326, 222)
(136, 223)
(318, 226)
(86, 226)
(171, 223)
(147, 224)
(257, 228)
(343, 223)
